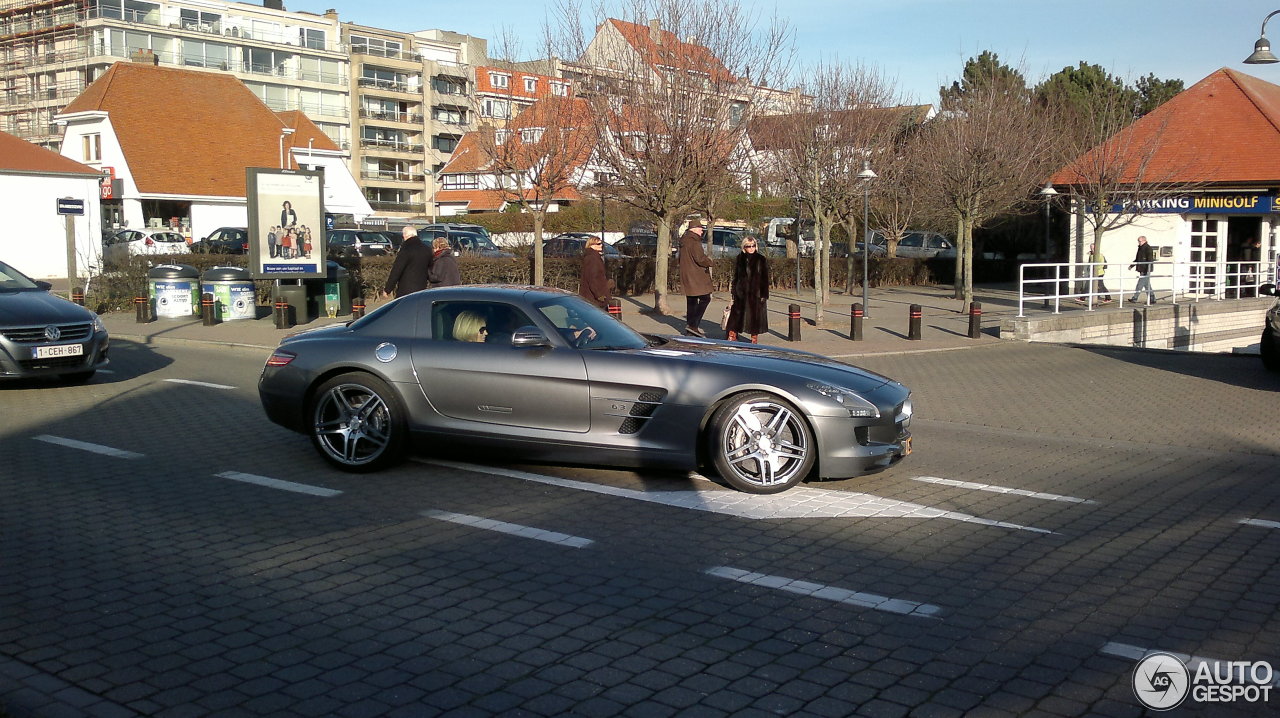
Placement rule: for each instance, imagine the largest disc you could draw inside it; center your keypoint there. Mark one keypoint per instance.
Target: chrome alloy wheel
(764, 445)
(352, 424)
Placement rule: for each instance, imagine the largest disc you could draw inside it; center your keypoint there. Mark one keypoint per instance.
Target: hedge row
(114, 291)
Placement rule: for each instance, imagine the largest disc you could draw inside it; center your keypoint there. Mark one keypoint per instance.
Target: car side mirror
(1268, 289)
(529, 336)
(43, 285)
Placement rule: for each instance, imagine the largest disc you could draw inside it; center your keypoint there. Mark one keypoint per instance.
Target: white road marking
(797, 503)
(199, 383)
(829, 593)
(480, 522)
(86, 446)
(1002, 490)
(1137, 653)
(1261, 522)
(278, 484)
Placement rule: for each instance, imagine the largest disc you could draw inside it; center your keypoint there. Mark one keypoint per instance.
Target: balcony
(391, 116)
(373, 83)
(412, 207)
(380, 52)
(392, 176)
(390, 146)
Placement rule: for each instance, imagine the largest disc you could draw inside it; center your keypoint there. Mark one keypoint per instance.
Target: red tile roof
(515, 88)
(18, 155)
(1223, 129)
(670, 51)
(188, 132)
(492, 200)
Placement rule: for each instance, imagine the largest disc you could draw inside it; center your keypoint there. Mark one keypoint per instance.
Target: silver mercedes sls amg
(546, 376)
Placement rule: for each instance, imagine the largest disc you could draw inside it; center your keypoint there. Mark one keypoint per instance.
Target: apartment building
(51, 50)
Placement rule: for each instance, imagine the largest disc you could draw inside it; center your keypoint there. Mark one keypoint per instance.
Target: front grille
(35, 335)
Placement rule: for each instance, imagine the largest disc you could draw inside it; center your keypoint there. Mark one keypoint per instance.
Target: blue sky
(924, 43)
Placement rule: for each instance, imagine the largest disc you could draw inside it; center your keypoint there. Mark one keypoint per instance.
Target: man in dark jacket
(412, 269)
(1142, 262)
(695, 278)
(593, 281)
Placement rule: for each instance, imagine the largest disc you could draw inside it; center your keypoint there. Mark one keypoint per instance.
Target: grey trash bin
(233, 292)
(174, 290)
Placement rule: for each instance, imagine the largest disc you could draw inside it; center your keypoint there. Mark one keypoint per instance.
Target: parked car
(357, 243)
(1269, 346)
(44, 335)
(223, 240)
(764, 417)
(640, 245)
(457, 227)
(879, 246)
(471, 243)
(394, 238)
(726, 242)
(926, 245)
(134, 242)
(571, 244)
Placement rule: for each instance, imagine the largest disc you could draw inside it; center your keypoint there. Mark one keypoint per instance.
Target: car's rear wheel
(358, 423)
(761, 444)
(1269, 347)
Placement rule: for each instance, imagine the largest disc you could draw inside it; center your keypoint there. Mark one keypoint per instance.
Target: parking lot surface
(169, 552)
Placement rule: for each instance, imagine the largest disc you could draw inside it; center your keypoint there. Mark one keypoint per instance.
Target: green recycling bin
(331, 296)
(174, 290)
(233, 292)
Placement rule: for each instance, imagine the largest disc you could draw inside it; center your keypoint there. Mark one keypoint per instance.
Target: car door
(911, 245)
(492, 382)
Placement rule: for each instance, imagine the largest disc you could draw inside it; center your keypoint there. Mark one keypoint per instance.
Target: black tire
(357, 423)
(761, 444)
(1269, 347)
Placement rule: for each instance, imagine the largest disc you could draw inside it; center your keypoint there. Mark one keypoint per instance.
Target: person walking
(1142, 263)
(695, 278)
(749, 313)
(411, 270)
(444, 269)
(593, 280)
(1098, 287)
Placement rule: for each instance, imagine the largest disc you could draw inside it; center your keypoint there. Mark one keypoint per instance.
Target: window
(499, 80)
(445, 143)
(316, 69)
(200, 21)
(501, 109)
(265, 62)
(91, 146)
(531, 134)
(198, 53)
(500, 136)
(375, 46)
(476, 321)
(449, 116)
(384, 79)
(560, 89)
(530, 84)
(313, 39)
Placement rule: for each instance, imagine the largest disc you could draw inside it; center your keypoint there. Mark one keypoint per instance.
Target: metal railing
(1190, 282)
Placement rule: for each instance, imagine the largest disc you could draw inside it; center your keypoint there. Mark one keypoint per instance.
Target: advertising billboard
(286, 223)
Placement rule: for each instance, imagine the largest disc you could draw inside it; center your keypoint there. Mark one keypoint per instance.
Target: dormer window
(499, 80)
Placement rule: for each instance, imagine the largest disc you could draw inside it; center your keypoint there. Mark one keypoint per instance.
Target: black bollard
(975, 320)
(913, 323)
(208, 309)
(140, 306)
(793, 320)
(357, 307)
(77, 295)
(615, 309)
(855, 322)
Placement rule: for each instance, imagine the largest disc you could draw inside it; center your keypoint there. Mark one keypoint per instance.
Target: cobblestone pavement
(167, 552)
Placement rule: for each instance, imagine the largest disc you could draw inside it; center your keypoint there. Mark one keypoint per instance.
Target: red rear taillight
(280, 357)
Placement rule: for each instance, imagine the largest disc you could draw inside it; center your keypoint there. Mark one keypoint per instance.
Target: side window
(911, 240)
(488, 322)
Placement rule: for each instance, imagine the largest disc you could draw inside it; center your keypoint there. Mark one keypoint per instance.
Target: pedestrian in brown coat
(593, 281)
(695, 278)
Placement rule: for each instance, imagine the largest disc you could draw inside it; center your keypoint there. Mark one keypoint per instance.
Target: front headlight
(856, 405)
(98, 326)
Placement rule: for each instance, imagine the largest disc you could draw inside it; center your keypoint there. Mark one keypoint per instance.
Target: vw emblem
(52, 333)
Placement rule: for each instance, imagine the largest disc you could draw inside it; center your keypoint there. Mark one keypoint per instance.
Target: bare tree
(984, 157)
(670, 86)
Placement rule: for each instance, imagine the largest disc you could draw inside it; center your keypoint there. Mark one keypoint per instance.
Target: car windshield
(373, 237)
(11, 279)
(476, 242)
(576, 318)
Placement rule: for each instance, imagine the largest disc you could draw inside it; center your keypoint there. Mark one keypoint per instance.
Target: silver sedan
(545, 375)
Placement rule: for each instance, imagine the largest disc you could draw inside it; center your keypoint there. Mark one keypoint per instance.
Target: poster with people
(286, 223)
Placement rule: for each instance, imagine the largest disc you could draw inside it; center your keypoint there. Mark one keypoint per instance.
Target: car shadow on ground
(1242, 370)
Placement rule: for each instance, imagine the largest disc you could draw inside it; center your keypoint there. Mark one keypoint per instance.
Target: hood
(33, 307)
(775, 359)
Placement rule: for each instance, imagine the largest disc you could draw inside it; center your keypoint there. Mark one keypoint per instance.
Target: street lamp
(1262, 48)
(799, 201)
(1047, 193)
(866, 175)
(284, 132)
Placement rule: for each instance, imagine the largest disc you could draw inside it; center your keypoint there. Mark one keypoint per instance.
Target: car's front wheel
(761, 444)
(358, 423)
(1269, 347)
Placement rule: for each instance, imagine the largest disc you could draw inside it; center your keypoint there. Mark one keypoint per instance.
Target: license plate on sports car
(59, 350)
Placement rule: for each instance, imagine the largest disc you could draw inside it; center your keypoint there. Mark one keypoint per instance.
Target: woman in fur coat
(749, 314)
